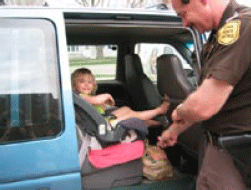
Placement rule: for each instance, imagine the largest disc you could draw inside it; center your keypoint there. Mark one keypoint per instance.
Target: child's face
(85, 84)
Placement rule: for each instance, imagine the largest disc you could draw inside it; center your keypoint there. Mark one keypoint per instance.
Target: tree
(120, 3)
(135, 3)
(91, 3)
(2, 2)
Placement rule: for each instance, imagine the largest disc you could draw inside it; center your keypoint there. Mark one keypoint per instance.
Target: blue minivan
(41, 47)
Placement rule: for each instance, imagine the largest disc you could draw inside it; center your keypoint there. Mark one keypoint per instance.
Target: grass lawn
(83, 62)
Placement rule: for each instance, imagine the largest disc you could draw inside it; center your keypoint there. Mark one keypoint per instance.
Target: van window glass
(29, 82)
(100, 59)
(148, 54)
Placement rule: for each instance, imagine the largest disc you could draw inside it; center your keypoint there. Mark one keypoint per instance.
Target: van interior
(138, 59)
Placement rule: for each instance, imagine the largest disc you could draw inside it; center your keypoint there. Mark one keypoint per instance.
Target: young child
(85, 85)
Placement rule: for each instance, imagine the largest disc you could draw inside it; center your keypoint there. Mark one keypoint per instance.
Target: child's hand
(106, 99)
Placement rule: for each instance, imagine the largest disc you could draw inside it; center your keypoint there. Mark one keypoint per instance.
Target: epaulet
(235, 16)
(240, 15)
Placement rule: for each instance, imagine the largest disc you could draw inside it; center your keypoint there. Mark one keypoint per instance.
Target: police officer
(222, 101)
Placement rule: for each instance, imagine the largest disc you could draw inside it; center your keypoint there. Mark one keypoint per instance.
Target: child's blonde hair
(83, 71)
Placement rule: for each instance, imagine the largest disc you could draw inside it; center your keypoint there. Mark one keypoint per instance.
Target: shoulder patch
(229, 33)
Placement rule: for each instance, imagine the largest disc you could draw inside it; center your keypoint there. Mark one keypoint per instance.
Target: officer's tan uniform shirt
(227, 56)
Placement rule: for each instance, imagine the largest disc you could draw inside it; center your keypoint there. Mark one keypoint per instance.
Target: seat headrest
(134, 61)
(142, 90)
(171, 78)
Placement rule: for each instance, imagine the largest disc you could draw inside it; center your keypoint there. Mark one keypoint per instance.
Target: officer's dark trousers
(217, 170)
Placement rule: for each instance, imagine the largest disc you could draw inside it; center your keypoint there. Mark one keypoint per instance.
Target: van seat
(172, 80)
(144, 93)
(171, 77)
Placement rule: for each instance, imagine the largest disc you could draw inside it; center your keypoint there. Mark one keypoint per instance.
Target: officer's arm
(202, 104)
(205, 102)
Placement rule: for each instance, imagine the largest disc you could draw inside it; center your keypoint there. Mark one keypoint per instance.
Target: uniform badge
(229, 33)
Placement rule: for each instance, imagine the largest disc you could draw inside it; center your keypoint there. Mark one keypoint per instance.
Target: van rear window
(100, 59)
(29, 82)
(149, 52)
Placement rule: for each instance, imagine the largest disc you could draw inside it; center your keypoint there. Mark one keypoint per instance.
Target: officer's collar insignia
(229, 33)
